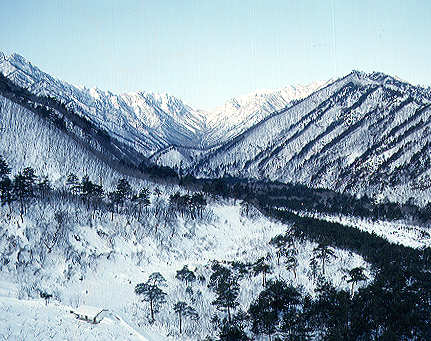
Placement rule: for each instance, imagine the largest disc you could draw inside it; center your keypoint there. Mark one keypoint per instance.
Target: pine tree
(152, 293)
(356, 275)
(184, 310)
(278, 302)
(197, 204)
(115, 200)
(261, 267)
(6, 192)
(324, 254)
(143, 199)
(124, 191)
(186, 275)
(4, 168)
(291, 262)
(232, 333)
(90, 190)
(73, 184)
(23, 187)
(226, 287)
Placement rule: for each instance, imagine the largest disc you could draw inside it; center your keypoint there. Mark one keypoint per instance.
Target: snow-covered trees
(152, 293)
(226, 287)
(184, 310)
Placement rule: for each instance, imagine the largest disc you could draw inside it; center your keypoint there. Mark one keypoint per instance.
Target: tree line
(26, 185)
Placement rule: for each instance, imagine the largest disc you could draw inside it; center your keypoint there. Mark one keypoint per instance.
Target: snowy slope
(27, 140)
(98, 260)
(241, 113)
(362, 133)
(33, 320)
(150, 121)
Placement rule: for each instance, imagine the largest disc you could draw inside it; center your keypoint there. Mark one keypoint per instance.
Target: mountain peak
(17, 59)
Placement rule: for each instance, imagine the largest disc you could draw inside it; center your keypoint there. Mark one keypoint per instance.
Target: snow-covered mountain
(65, 246)
(149, 121)
(364, 133)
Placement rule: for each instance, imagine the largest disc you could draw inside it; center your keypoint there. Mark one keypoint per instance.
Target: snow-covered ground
(34, 320)
(397, 232)
(99, 262)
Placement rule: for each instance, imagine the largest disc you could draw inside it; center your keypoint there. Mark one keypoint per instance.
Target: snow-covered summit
(240, 113)
(154, 121)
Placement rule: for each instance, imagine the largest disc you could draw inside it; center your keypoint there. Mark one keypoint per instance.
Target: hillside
(149, 121)
(360, 134)
(88, 218)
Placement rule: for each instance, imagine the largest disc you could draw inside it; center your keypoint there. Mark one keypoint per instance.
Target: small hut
(90, 314)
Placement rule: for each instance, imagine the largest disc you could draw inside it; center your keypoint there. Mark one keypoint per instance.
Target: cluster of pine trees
(280, 311)
(25, 185)
(395, 305)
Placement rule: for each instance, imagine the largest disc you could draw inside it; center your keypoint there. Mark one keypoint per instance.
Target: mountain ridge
(362, 133)
(165, 118)
(328, 139)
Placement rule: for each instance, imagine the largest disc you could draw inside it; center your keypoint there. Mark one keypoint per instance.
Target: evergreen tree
(23, 185)
(115, 201)
(124, 191)
(157, 192)
(232, 333)
(6, 192)
(152, 293)
(183, 310)
(90, 190)
(142, 199)
(4, 168)
(261, 267)
(73, 184)
(226, 287)
(186, 275)
(324, 254)
(197, 204)
(291, 262)
(356, 275)
(278, 302)
(279, 242)
(331, 312)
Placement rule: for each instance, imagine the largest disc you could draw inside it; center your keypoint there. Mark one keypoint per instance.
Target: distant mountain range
(152, 121)
(363, 133)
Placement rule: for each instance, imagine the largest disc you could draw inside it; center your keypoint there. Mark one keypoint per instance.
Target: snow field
(101, 261)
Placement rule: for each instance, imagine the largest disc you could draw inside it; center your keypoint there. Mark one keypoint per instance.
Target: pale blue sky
(206, 52)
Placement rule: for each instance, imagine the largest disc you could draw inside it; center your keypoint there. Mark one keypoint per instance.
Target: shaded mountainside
(361, 134)
(42, 132)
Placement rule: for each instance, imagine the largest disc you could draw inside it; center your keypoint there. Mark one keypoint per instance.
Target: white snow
(101, 261)
(151, 121)
(396, 232)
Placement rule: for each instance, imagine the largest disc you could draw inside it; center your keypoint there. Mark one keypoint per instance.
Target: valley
(301, 213)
